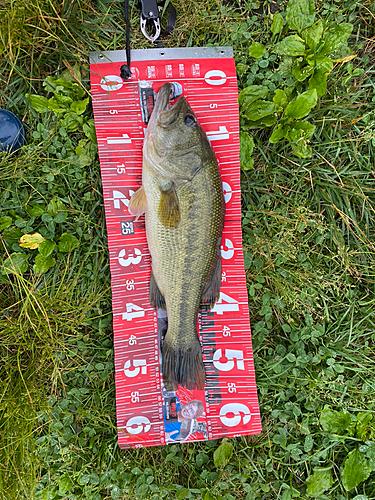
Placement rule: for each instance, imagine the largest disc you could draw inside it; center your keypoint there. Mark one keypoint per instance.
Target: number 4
(225, 304)
(133, 311)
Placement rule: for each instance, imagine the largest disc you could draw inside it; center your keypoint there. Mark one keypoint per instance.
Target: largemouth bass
(182, 198)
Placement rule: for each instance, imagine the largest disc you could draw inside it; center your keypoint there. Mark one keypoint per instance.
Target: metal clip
(150, 12)
(156, 35)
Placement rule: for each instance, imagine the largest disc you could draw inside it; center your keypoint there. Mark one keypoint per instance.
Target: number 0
(220, 79)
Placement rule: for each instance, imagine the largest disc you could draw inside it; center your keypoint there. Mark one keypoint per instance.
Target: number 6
(235, 408)
(138, 422)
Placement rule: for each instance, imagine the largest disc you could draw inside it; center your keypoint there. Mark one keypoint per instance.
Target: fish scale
(181, 257)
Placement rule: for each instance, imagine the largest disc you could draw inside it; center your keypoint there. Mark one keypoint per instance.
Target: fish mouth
(162, 99)
(164, 112)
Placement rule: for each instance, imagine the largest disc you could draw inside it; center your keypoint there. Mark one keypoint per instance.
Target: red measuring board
(147, 414)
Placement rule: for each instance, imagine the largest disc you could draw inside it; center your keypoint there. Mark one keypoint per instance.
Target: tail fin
(182, 366)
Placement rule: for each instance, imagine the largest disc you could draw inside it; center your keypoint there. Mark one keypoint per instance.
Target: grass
(308, 232)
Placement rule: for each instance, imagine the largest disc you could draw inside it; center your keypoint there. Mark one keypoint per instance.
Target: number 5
(231, 355)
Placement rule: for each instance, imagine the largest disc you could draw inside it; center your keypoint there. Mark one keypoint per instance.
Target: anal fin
(156, 298)
(211, 289)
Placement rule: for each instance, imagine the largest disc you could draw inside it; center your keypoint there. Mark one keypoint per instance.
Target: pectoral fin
(138, 202)
(169, 209)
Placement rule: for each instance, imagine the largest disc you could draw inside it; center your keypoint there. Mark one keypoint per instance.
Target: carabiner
(152, 38)
(150, 12)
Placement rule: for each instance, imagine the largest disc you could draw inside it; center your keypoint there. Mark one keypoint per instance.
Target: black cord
(125, 72)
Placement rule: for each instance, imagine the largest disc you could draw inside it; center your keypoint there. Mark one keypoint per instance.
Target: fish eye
(190, 120)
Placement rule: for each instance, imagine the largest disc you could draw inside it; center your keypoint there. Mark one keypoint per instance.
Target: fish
(183, 202)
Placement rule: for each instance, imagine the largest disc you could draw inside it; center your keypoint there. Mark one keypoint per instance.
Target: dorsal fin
(169, 209)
